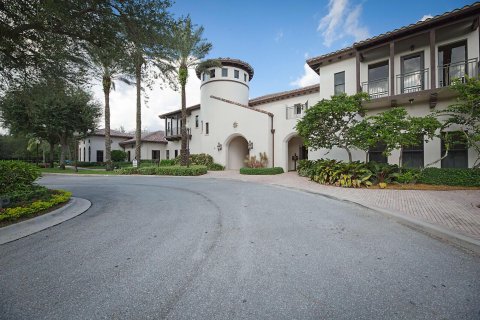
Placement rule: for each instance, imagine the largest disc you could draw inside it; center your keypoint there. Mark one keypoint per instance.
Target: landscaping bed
(194, 170)
(261, 171)
(21, 197)
(359, 174)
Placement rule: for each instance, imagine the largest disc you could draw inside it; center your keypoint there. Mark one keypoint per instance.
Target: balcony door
(412, 78)
(452, 61)
(378, 79)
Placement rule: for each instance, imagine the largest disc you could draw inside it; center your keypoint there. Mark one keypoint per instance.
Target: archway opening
(296, 151)
(237, 152)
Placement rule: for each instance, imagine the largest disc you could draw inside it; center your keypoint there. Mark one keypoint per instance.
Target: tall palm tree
(189, 49)
(108, 64)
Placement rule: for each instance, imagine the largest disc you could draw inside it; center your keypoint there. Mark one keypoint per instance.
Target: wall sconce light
(235, 124)
(219, 146)
(250, 145)
(411, 101)
(412, 47)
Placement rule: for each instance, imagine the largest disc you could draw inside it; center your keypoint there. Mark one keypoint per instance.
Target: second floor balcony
(457, 70)
(376, 88)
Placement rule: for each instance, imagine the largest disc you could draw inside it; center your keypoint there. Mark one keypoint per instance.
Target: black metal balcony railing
(412, 81)
(376, 88)
(458, 70)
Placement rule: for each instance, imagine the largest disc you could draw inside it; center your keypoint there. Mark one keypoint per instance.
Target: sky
(275, 37)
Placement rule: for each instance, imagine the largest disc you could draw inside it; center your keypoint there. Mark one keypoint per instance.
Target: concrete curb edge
(73, 208)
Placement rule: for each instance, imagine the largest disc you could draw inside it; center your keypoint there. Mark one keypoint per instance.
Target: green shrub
(17, 175)
(305, 168)
(383, 172)
(12, 214)
(215, 167)
(355, 174)
(167, 162)
(166, 170)
(408, 176)
(450, 177)
(201, 159)
(118, 155)
(26, 194)
(261, 171)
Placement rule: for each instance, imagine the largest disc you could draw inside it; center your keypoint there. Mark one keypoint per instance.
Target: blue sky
(275, 37)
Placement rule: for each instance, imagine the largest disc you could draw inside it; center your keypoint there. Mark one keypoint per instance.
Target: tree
(108, 64)
(329, 123)
(396, 129)
(189, 49)
(464, 116)
(147, 28)
(36, 35)
(45, 110)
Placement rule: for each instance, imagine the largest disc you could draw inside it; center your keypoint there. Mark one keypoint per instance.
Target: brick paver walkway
(456, 210)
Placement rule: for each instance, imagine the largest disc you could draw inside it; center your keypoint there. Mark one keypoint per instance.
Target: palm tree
(108, 65)
(189, 49)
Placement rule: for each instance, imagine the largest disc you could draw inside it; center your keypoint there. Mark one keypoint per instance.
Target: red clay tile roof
(113, 133)
(234, 63)
(156, 137)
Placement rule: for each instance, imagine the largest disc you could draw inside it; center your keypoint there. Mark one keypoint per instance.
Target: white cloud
(342, 21)
(279, 36)
(425, 17)
(309, 77)
(123, 103)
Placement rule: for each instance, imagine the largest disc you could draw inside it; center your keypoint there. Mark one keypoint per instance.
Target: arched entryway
(295, 150)
(237, 152)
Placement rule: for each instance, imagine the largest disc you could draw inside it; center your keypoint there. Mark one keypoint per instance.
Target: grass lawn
(72, 171)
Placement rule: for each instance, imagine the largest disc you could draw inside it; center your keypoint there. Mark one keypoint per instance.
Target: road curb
(432, 230)
(73, 208)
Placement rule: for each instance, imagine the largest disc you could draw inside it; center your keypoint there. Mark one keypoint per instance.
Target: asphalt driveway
(189, 248)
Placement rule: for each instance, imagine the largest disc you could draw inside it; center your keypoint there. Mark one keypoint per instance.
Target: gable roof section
(155, 137)
(113, 133)
(419, 26)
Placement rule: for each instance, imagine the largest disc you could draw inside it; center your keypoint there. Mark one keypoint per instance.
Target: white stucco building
(92, 148)
(410, 67)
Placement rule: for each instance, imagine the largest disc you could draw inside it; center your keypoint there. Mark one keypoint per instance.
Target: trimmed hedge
(261, 171)
(450, 177)
(16, 175)
(215, 167)
(165, 171)
(12, 214)
(167, 162)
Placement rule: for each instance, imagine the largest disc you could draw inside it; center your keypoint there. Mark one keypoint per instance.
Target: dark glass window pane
(412, 156)
(376, 153)
(378, 71)
(339, 78)
(212, 73)
(224, 72)
(236, 74)
(458, 152)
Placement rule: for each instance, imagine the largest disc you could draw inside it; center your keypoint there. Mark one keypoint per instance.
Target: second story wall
(328, 82)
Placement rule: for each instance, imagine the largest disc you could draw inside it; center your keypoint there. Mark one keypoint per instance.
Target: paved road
(186, 248)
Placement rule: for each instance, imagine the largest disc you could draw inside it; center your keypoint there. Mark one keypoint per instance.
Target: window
(203, 76)
(207, 129)
(89, 154)
(412, 156)
(201, 128)
(167, 154)
(298, 108)
(83, 154)
(155, 154)
(378, 79)
(452, 62)
(196, 121)
(339, 83)
(224, 72)
(99, 155)
(245, 77)
(236, 74)
(412, 78)
(212, 73)
(376, 153)
(176, 153)
(458, 152)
